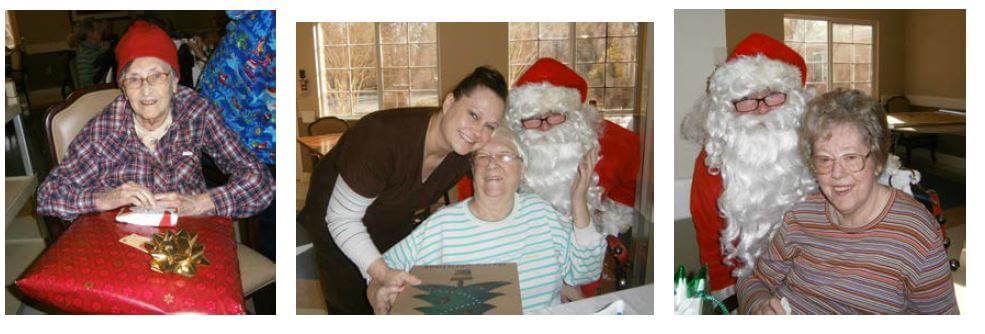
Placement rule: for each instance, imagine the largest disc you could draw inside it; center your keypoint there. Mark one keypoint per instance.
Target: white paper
(148, 216)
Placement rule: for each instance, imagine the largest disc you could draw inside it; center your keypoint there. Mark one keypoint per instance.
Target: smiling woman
(365, 191)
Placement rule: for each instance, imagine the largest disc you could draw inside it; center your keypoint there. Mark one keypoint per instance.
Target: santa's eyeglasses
(552, 119)
(749, 104)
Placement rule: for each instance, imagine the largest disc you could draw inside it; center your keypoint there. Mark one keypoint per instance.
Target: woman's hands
(386, 284)
(579, 189)
(772, 306)
(129, 193)
(187, 205)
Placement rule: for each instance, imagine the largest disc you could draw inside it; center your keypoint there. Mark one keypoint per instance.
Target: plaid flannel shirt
(107, 153)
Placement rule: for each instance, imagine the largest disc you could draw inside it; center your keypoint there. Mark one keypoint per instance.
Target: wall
(307, 101)
(43, 26)
(935, 57)
(465, 46)
(699, 44)
(890, 36)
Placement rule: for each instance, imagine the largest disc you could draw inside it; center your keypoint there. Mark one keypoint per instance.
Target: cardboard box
(462, 289)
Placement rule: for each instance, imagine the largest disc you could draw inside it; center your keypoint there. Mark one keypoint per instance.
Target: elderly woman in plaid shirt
(144, 148)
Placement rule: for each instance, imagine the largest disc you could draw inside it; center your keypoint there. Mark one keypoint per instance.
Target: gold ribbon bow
(176, 253)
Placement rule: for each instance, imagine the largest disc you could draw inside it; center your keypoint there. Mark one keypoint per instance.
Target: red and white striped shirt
(896, 264)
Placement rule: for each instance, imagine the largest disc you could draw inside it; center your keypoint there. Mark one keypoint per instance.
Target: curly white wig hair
(756, 155)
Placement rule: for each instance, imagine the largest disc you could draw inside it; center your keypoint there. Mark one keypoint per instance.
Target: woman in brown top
(392, 163)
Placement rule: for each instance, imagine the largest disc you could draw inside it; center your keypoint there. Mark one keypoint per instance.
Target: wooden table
(639, 301)
(320, 144)
(939, 122)
(17, 190)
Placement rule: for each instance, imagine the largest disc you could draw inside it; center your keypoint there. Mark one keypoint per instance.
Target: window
(365, 67)
(838, 54)
(605, 54)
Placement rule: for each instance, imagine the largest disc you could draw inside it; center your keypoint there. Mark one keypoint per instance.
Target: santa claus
(557, 128)
(750, 170)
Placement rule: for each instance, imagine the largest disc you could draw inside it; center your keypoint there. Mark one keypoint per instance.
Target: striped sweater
(894, 265)
(544, 244)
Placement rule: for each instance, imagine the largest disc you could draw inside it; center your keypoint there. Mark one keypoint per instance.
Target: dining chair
(323, 126)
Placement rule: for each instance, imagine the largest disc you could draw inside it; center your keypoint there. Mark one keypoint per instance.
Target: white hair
(554, 155)
(757, 156)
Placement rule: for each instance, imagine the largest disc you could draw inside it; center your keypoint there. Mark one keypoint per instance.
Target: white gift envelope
(161, 217)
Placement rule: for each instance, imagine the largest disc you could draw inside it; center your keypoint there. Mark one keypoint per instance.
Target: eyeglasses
(552, 119)
(505, 158)
(852, 163)
(155, 79)
(749, 104)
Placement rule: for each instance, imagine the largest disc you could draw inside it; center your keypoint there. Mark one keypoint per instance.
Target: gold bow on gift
(176, 253)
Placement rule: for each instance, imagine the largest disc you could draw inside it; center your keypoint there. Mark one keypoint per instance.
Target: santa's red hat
(549, 70)
(758, 63)
(548, 85)
(143, 39)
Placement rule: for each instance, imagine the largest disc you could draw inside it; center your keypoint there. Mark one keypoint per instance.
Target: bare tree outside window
(605, 54)
(838, 55)
(366, 66)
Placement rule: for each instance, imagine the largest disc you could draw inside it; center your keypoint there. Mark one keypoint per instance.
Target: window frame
(323, 104)
(831, 21)
(572, 47)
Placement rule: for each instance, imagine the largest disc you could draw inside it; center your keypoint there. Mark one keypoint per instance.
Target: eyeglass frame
(474, 159)
(541, 120)
(759, 101)
(146, 79)
(840, 160)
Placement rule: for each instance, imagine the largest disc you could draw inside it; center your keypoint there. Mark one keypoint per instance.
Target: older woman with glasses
(857, 247)
(499, 225)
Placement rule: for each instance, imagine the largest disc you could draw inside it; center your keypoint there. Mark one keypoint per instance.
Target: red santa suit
(750, 170)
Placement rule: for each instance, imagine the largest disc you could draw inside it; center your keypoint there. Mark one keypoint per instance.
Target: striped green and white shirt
(543, 243)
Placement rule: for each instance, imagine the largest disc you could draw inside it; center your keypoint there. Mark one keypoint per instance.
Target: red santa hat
(548, 85)
(758, 63)
(143, 39)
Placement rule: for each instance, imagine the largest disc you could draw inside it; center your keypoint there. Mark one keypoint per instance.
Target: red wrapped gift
(88, 270)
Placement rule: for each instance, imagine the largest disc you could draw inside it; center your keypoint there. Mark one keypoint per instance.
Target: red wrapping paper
(89, 271)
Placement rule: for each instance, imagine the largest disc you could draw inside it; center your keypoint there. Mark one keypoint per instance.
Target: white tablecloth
(639, 301)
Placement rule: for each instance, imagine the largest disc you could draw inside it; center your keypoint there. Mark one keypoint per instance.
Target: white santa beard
(551, 169)
(553, 157)
(763, 175)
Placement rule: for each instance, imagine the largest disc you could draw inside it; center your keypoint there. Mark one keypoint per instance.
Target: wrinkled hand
(187, 205)
(579, 190)
(126, 194)
(395, 282)
(770, 307)
(586, 168)
(384, 297)
(571, 293)
(386, 284)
